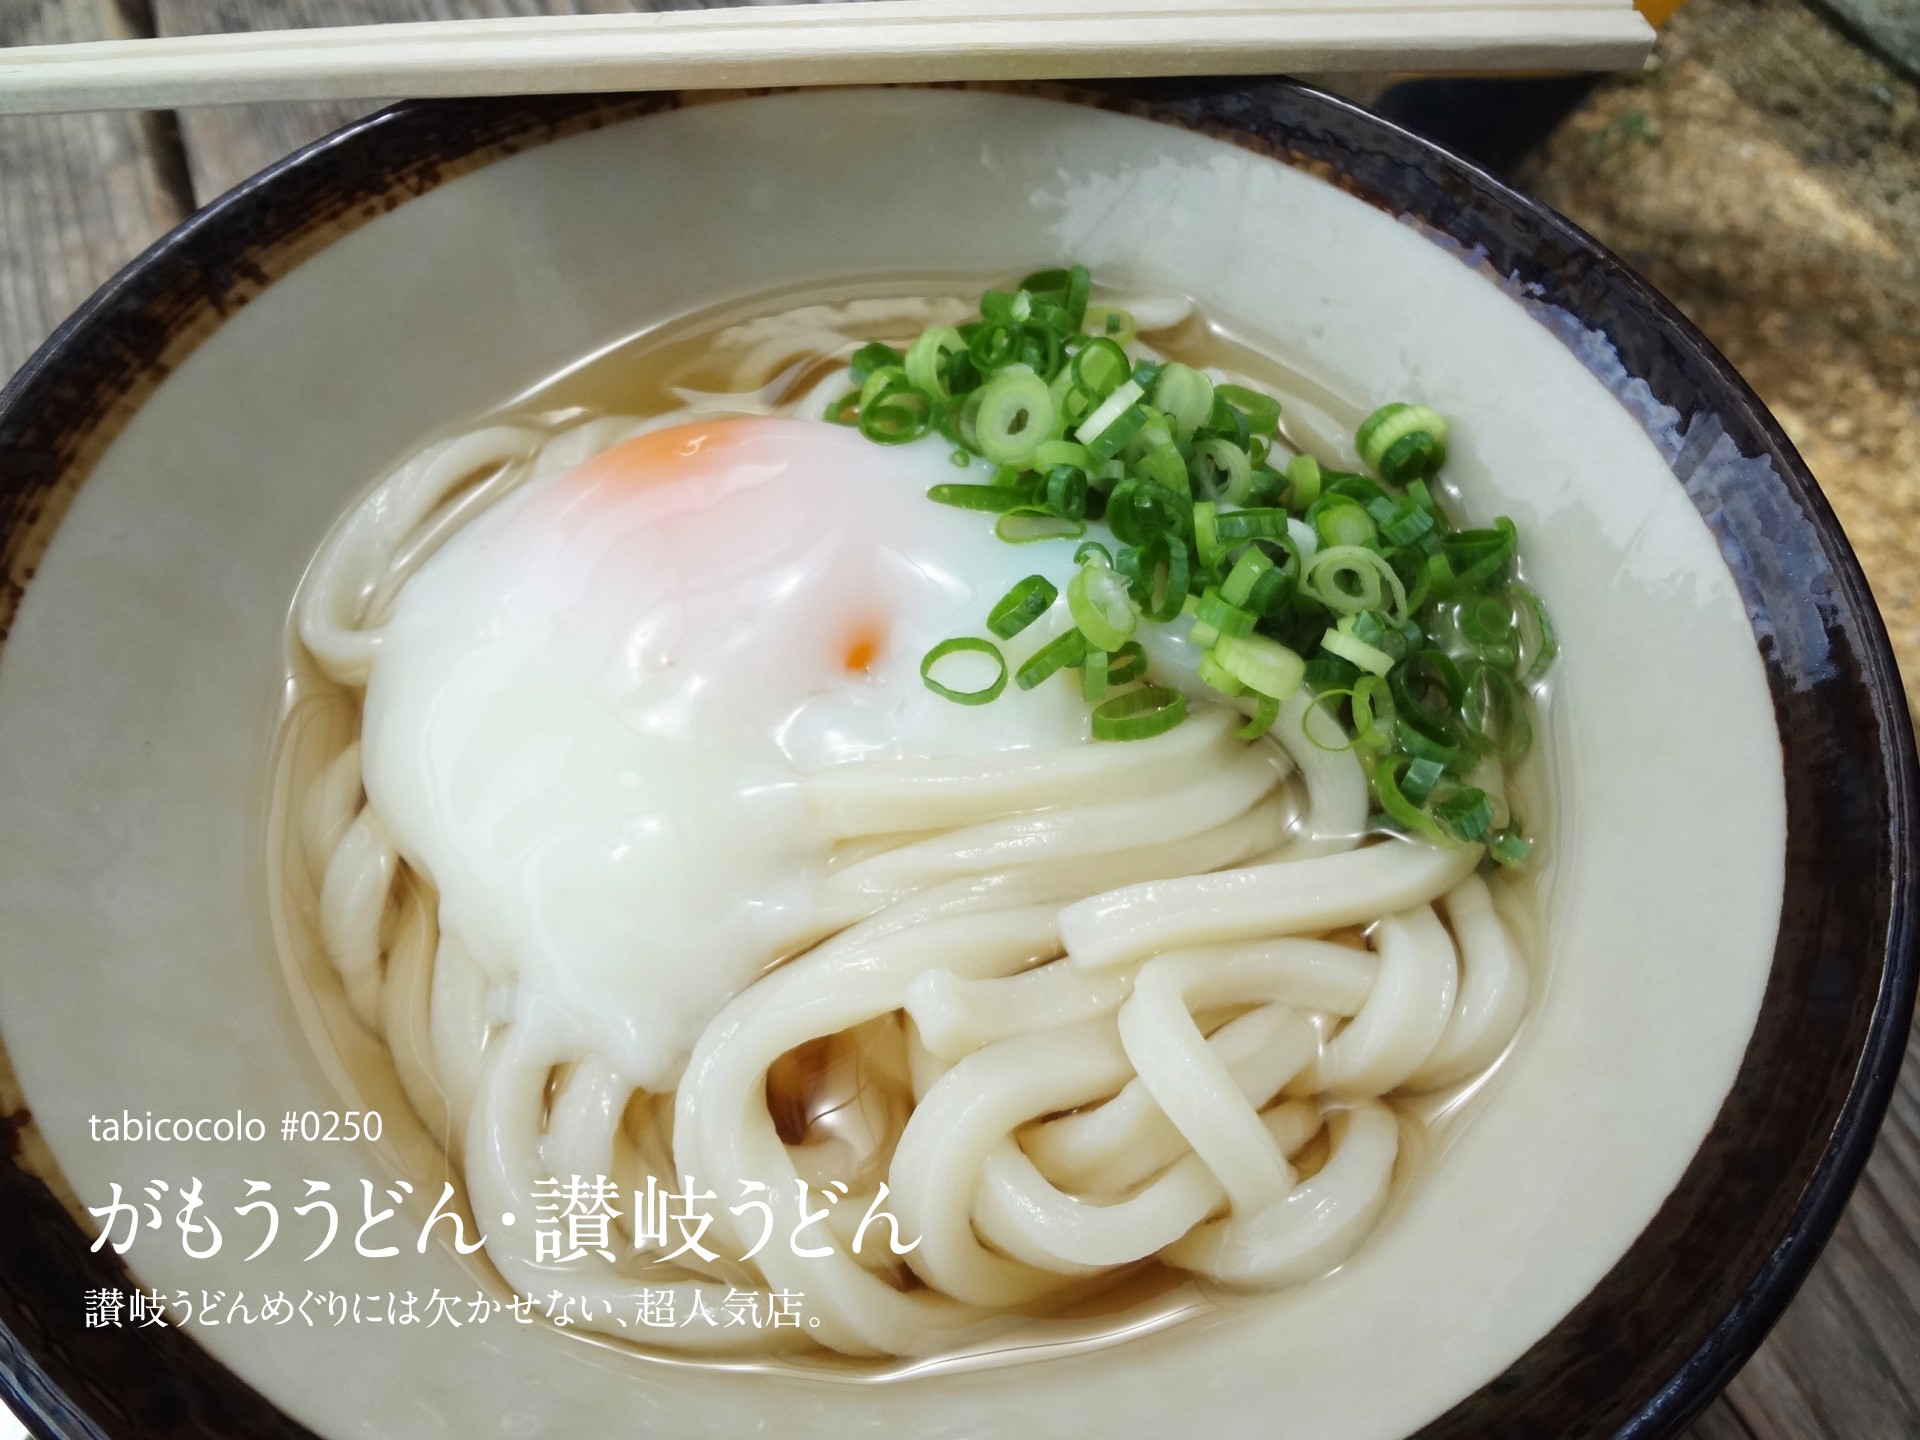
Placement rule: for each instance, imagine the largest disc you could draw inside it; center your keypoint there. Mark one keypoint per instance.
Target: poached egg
(594, 709)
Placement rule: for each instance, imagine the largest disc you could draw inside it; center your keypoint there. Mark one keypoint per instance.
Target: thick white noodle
(1095, 971)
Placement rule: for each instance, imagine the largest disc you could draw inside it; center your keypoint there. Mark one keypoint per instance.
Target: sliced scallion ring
(1128, 664)
(1350, 578)
(1351, 647)
(1067, 648)
(1402, 442)
(1093, 676)
(1216, 676)
(1015, 416)
(1262, 411)
(1262, 720)
(926, 360)
(1222, 470)
(1124, 397)
(1264, 666)
(1224, 616)
(1185, 396)
(965, 645)
(1303, 476)
(1021, 606)
(1101, 606)
(1139, 714)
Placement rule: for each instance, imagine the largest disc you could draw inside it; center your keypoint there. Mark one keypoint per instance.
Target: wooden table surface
(1815, 300)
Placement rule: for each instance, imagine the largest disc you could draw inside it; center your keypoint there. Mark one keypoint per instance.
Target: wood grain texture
(80, 195)
(227, 143)
(844, 42)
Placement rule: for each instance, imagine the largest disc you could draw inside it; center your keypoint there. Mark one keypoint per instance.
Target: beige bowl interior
(138, 694)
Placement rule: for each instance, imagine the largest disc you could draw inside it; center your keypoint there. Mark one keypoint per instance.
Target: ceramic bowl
(1728, 964)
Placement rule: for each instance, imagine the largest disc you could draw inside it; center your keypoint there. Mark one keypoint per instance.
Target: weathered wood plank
(80, 195)
(226, 144)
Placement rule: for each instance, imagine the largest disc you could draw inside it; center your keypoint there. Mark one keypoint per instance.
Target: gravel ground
(1764, 173)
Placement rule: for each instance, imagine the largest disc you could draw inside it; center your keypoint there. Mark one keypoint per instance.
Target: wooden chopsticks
(845, 43)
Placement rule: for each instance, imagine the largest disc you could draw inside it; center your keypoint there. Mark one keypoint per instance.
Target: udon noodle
(1082, 1011)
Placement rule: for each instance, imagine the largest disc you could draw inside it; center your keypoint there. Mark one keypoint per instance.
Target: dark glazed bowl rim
(1800, 1121)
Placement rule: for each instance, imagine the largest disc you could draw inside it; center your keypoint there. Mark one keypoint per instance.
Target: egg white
(593, 711)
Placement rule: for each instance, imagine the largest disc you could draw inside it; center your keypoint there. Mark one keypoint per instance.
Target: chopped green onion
(1430, 684)
(1050, 453)
(1417, 637)
(1403, 812)
(971, 645)
(1402, 442)
(1261, 524)
(1021, 606)
(1401, 522)
(1238, 587)
(1139, 714)
(1421, 776)
(1262, 411)
(1341, 521)
(1349, 578)
(994, 343)
(1255, 583)
(1216, 676)
(1206, 531)
(1122, 399)
(1467, 814)
(1128, 664)
(1547, 647)
(1069, 648)
(1164, 464)
(1138, 509)
(1067, 492)
(1221, 469)
(1225, 617)
(1303, 475)
(896, 414)
(1422, 737)
(1112, 322)
(1024, 526)
(995, 499)
(1264, 715)
(1487, 622)
(1066, 288)
(1015, 416)
(1373, 713)
(926, 361)
(1099, 368)
(1509, 847)
(1264, 666)
(1479, 558)
(1495, 714)
(1350, 647)
(1185, 395)
(1101, 606)
(869, 358)
(1093, 675)
(1227, 423)
(1330, 699)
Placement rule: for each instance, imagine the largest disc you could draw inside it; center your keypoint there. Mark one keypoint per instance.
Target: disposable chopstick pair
(843, 43)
